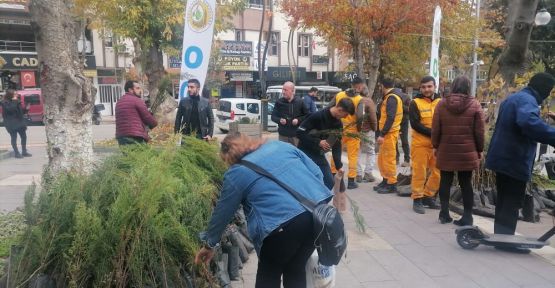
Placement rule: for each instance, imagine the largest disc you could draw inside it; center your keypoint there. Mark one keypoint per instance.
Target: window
(32, 99)
(303, 45)
(253, 108)
(240, 106)
(256, 3)
(239, 35)
(274, 45)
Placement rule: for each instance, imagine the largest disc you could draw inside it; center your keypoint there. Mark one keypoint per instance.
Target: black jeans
(465, 181)
(404, 135)
(510, 196)
(130, 140)
(23, 135)
(285, 252)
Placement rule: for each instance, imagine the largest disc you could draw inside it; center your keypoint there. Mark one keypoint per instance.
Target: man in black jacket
(194, 114)
(321, 132)
(289, 112)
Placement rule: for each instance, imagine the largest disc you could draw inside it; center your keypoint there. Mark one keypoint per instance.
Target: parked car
(325, 93)
(235, 109)
(33, 98)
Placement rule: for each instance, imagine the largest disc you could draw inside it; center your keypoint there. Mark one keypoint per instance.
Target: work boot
(368, 177)
(418, 207)
(359, 179)
(466, 220)
(377, 187)
(444, 217)
(388, 189)
(430, 202)
(352, 184)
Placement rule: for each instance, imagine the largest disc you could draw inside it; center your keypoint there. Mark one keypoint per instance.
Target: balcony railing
(17, 46)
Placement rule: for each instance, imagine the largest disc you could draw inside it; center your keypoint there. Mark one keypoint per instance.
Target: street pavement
(399, 249)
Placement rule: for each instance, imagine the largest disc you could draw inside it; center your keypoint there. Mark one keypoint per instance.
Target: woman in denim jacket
(279, 226)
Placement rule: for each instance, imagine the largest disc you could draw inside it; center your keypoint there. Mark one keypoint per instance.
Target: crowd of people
(446, 139)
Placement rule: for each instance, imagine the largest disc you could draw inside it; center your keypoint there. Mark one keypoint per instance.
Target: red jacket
(131, 117)
(458, 133)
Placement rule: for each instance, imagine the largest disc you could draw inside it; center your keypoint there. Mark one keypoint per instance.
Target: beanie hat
(543, 84)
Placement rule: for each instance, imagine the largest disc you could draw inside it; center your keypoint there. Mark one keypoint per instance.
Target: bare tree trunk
(520, 21)
(374, 62)
(154, 71)
(358, 55)
(68, 95)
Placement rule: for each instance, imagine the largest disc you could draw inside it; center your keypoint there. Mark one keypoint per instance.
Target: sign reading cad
(18, 62)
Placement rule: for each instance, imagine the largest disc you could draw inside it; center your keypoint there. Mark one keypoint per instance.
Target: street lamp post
(475, 53)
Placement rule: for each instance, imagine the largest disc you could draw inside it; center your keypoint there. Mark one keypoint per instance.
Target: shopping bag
(318, 275)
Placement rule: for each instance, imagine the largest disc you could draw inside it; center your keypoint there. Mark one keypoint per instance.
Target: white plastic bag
(318, 275)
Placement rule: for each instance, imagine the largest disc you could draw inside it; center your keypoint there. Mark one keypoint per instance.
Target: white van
(235, 109)
(325, 93)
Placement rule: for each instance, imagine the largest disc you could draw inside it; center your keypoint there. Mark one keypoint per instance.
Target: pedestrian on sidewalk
(321, 132)
(367, 154)
(132, 116)
(289, 112)
(13, 114)
(194, 114)
(425, 175)
(458, 141)
(513, 145)
(389, 126)
(404, 132)
(351, 129)
(310, 100)
(280, 227)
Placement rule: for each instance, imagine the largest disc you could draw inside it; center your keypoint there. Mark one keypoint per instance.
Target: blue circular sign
(187, 57)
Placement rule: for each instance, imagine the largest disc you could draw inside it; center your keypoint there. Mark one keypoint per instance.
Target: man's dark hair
(357, 80)
(428, 79)
(129, 85)
(461, 85)
(313, 89)
(347, 105)
(195, 81)
(388, 83)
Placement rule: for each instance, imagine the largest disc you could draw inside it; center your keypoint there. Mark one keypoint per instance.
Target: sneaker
(368, 177)
(359, 179)
(405, 164)
(383, 183)
(418, 207)
(18, 155)
(352, 184)
(388, 189)
(444, 217)
(26, 154)
(430, 202)
(465, 220)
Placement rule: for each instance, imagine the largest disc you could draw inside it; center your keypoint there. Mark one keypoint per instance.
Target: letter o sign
(197, 61)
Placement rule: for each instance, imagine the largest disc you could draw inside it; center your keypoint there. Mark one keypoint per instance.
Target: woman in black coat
(14, 121)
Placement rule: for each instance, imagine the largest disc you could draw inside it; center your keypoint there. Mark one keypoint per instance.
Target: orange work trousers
(387, 162)
(353, 147)
(425, 175)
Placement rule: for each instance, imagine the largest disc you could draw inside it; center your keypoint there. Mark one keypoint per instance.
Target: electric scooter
(470, 237)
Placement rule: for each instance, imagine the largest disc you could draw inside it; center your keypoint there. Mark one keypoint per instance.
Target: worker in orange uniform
(423, 160)
(351, 128)
(389, 125)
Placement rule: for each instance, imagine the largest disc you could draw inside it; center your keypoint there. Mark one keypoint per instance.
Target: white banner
(434, 61)
(197, 42)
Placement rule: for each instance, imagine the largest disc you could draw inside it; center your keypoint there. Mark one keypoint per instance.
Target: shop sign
(317, 59)
(234, 63)
(345, 77)
(240, 76)
(22, 5)
(236, 48)
(174, 62)
(18, 61)
(284, 74)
